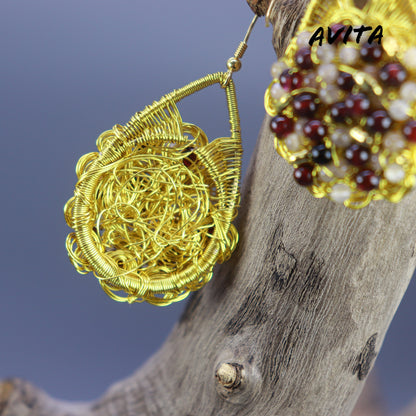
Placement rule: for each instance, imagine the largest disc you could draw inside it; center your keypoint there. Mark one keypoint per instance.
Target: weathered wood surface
(259, 6)
(289, 326)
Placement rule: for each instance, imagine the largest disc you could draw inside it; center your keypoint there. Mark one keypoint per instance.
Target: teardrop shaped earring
(152, 210)
(343, 101)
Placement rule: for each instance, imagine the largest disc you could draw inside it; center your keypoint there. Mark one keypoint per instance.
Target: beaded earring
(152, 209)
(343, 101)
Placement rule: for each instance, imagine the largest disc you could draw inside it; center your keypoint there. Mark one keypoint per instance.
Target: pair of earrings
(152, 210)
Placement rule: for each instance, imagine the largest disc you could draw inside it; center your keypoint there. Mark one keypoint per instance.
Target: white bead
(348, 55)
(324, 177)
(277, 68)
(309, 80)
(408, 91)
(294, 142)
(326, 53)
(330, 94)
(302, 41)
(299, 125)
(398, 110)
(328, 73)
(375, 162)
(409, 58)
(394, 141)
(371, 70)
(341, 138)
(340, 192)
(394, 173)
(341, 170)
(277, 92)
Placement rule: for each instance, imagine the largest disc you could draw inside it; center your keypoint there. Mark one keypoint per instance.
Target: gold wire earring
(343, 101)
(152, 209)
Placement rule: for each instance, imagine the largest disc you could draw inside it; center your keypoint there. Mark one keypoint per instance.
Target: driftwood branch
(291, 325)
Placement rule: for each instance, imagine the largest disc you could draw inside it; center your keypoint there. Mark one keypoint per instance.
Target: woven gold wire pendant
(344, 111)
(152, 209)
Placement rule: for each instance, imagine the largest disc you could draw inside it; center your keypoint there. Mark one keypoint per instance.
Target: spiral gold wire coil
(152, 209)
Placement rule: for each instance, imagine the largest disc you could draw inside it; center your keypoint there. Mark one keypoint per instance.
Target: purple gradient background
(69, 70)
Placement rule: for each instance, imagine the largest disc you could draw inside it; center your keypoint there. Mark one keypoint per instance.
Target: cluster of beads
(343, 117)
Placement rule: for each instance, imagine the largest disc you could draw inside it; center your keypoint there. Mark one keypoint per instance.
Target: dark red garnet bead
(393, 74)
(367, 180)
(357, 155)
(281, 125)
(409, 131)
(290, 80)
(379, 121)
(371, 52)
(357, 104)
(338, 27)
(303, 175)
(339, 112)
(303, 58)
(345, 81)
(304, 104)
(321, 155)
(315, 130)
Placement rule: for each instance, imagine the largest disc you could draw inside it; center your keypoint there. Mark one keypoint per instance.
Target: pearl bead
(398, 110)
(328, 73)
(409, 58)
(330, 94)
(348, 55)
(322, 175)
(277, 68)
(340, 192)
(302, 41)
(394, 141)
(341, 138)
(326, 53)
(371, 70)
(277, 92)
(309, 80)
(408, 91)
(299, 125)
(294, 142)
(394, 173)
(341, 170)
(375, 162)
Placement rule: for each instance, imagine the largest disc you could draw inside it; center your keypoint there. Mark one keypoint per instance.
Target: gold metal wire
(152, 209)
(397, 17)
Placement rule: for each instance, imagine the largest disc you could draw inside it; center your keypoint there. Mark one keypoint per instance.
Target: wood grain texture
(289, 326)
(259, 7)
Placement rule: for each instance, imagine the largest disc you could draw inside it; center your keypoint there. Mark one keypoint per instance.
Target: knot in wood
(229, 375)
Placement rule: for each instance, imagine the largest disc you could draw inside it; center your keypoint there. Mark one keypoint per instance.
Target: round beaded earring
(343, 101)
